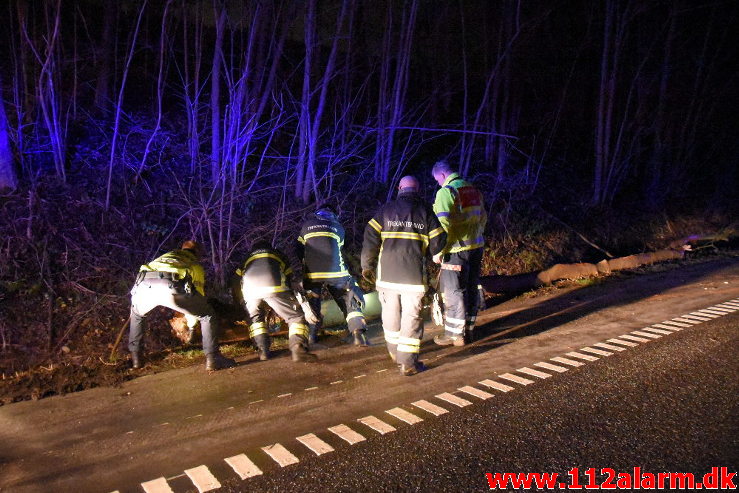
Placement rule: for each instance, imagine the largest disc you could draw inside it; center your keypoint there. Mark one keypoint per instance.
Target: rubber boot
(217, 361)
(360, 339)
(300, 354)
(264, 353)
(262, 342)
(410, 370)
(135, 360)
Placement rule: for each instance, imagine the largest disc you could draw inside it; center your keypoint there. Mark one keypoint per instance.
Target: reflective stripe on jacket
(461, 211)
(182, 263)
(319, 247)
(265, 272)
(399, 238)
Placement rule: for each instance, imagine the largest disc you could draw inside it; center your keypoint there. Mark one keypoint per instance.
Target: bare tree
(8, 177)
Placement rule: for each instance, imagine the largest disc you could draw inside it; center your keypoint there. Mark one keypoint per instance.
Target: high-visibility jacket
(266, 271)
(461, 212)
(319, 247)
(183, 264)
(399, 238)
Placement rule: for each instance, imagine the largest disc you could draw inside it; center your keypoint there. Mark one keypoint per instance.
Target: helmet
(193, 246)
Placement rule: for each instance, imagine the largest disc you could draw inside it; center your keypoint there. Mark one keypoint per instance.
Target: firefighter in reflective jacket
(319, 248)
(398, 240)
(460, 209)
(266, 280)
(175, 280)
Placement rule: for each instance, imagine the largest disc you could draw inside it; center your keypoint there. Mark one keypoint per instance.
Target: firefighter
(175, 280)
(397, 242)
(319, 249)
(461, 212)
(266, 280)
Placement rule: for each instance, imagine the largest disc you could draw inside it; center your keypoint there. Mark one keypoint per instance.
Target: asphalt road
(667, 406)
(665, 403)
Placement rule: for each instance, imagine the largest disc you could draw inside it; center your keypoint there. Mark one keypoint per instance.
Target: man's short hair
(193, 246)
(441, 166)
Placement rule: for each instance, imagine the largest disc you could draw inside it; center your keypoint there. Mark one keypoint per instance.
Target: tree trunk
(8, 178)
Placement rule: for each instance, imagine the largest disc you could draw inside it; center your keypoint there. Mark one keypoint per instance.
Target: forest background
(127, 126)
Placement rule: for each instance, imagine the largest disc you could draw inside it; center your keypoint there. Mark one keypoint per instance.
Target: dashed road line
(315, 444)
(713, 311)
(360, 376)
(683, 320)
(280, 454)
(480, 394)
(549, 366)
(284, 395)
(430, 407)
(380, 371)
(585, 357)
(728, 306)
(453, 399)
(158, 485)
(658, 331)
(310, 388)
(645, 334)
(337, 381)
(202, 478)
(611, 347)
(254, 402)
(516, 378)
(722, 309)
(696, 317)
(633, 338)
(404, 415)
(566, 361)
(496, 385)
(243, 466)
(534, 373)
(347, 434)
(666, 326)
(623, 342)
(702, 313)
(599, 352)
(376, 424)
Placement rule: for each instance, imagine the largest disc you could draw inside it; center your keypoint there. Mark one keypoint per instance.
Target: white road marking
(453, 399)
(633, 338)
(731, 303)
(599, 352)
(376, 424)
(658, 331)
(586, 357)
(496, 385)
(515, 378)
(728, 306)
(480, 394)
(202, 478)
(645, 334)
(311, 388)
(404, 415)
(683, 320)
(243, 466)
(566, 361)
(158, 485)
(625, 343)
(430, 407)
(285, 395)
(718, 308)
(380, 371)
(317, 446)
(549, 366)
(666, 326)
(254, 402)
(347, 434)
(605, 345)
(703, 313)
(534, 373)
(696, 317)
(280, 454)
(360, 376)
(334, 383)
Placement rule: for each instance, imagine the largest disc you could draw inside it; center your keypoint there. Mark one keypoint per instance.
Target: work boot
(135, 360)
(410, 370)
(360, 339)
(218, 361)
(393, 357)
(302, 354)
(264, 353)
(445, 340)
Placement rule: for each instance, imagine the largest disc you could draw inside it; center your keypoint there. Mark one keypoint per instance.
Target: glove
(369, 275)
(297, 286)
(437, 258)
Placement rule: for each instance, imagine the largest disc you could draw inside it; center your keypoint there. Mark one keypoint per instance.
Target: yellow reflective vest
(182, 263)
(461, 212)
